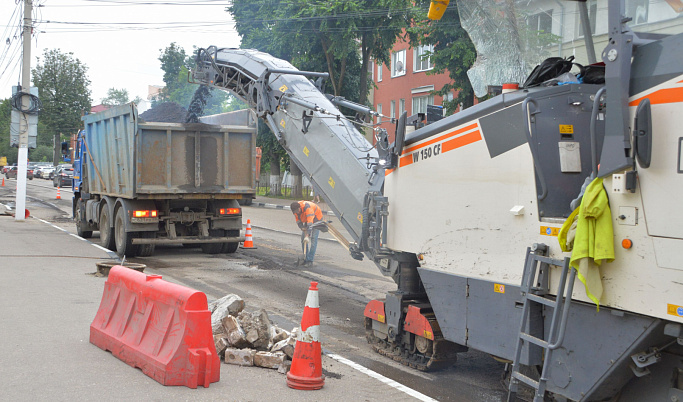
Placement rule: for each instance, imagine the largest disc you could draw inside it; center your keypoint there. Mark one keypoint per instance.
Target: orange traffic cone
(248, 238)
(3, 182)
(59, 195)
(307, 370)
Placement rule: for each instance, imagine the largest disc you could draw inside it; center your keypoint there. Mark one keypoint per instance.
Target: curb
(285, 207)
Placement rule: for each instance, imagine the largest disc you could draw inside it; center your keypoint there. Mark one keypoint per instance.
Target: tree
(116, 97)
(453, 52)
(62, 83)
(320, 37)
(5, 149)
(172, 59)
(176, 65)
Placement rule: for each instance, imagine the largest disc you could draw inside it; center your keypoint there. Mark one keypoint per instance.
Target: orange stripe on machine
(440, 138)
(461, 141)
(667, 95)
(438, 145)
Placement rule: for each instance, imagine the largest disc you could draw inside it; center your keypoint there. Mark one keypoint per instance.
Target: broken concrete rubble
(285, 346)
(228, 305)
(268, 359)
(234, 332)
(249, 339)
(221, 342)
(257, 327)
(240, 357)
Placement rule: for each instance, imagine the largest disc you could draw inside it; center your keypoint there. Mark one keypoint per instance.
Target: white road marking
(76, 236)
(380, 377)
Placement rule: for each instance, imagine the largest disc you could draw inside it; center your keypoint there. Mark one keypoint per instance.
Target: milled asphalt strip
(109, 252)
(388, 381)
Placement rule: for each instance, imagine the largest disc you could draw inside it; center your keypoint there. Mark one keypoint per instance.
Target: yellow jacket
(594, 237)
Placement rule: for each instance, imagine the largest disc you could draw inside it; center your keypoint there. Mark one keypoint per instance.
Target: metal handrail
(529, 138)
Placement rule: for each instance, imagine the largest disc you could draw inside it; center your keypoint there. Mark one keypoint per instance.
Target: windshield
(513, 36)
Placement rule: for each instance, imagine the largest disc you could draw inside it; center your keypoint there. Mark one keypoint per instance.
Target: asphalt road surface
(267, 277)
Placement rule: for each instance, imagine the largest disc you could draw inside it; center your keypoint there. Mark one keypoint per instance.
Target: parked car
(12, 173)
(7, 168)
(63, 176)
(52, 174)
(43, 172)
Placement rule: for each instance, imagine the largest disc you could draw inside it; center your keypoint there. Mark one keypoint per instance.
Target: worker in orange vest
(306, 213)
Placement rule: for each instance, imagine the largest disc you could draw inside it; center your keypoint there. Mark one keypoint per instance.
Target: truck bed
(133, 159)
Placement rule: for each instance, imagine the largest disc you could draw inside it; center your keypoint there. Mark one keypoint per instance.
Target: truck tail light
(145, 214)
(229, 211)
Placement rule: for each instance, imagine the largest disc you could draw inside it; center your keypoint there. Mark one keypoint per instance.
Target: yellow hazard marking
(360, 217)
(282, 123)
(306, 151)
(674, 310)
(498, 288)
(428, 335)
(380, 318)
(331, 182)
(566, 129)
(283, 88)
(549, 231)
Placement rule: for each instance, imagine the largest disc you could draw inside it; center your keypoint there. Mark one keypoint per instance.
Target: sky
(118, 40)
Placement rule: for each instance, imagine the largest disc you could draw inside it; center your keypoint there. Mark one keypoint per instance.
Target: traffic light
(65, 148)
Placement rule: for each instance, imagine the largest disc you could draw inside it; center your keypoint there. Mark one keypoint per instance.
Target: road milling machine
(466, 214)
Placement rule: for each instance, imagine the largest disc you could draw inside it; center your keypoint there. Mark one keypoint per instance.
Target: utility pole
(26, 104)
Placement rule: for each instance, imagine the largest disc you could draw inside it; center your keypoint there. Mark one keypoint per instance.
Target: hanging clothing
(589, 235)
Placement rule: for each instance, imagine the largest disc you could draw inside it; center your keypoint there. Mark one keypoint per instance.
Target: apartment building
(404, 84)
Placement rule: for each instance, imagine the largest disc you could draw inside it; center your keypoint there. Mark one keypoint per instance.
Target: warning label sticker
(498, 288)
(674, 310)
(566, 129)
(550, 231)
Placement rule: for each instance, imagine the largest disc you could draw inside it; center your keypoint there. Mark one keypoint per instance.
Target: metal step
(525, 379)
(542, 300)
(534, 340)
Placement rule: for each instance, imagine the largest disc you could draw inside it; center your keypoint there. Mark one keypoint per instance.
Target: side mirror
(642, 134)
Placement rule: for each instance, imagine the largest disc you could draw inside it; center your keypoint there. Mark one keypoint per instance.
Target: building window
(401, 106)
(398, 63)
(541, 22)
(379, 72)
(393, 109)
(379, 110)
(420, 103)
(638, 11)
(592, 6)
(422, 61)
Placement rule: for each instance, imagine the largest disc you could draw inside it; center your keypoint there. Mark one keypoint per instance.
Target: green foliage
(172, 59)
(5, 149)
(62, 83)
(43, 153)
(454, 52)
(176, 64)
(321, 36)
(116, 97)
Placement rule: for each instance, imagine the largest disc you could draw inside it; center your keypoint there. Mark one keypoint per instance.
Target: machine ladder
(537, 264)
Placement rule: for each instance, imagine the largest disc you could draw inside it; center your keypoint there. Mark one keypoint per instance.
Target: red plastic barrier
(160, 327)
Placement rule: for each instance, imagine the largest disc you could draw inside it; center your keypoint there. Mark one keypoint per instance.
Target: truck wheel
(106, 230)
(230, 248)
(146, 250)
(213, 248)
(124, 240)
(80, 224)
